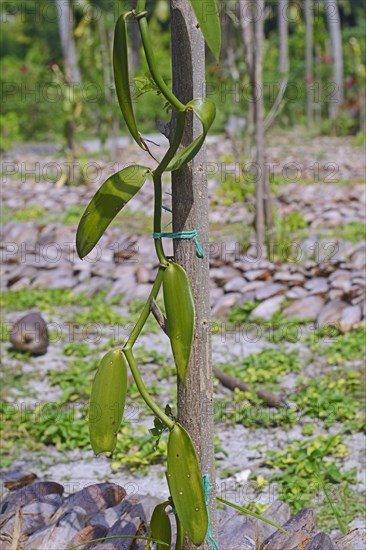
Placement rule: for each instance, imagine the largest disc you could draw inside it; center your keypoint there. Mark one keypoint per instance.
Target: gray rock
(34, 516)
(221, 275)
(30, 334)
(279, 512)
(237, 532)
(351, 316)
(305, 308)
(317, 285)
(59, 533)
(301, 528)
(321, 542)
(331, 313)
(267, 309)
(91, 532)
(123, 526)
(35, 492)
(355, 540)
(125, 286)
(109, 516)
(296, 292)
(215, 294)
(224, 304)
(94, 498)
(237, 284)
(269, 290)
(291, 278)
(258, 275)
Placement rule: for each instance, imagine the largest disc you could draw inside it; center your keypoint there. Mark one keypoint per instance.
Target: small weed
(346, 347)
(353, 231)
(241, 313)
(298, 468)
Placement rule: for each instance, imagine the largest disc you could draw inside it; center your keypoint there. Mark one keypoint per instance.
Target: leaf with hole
(108, 201)
(121, 78)
(179, 309)
(205, 110)
(208, 18)
(160, 527)
(107, 402)
(185, 485)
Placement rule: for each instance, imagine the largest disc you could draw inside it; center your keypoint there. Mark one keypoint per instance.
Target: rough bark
(309, 62)
(190, 211)
(65, 22)
(334, 25)
(283, 36)
(257, 91)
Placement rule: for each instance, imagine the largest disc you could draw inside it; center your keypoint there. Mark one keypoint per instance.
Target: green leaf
(160, 527)
(208, 17)
(185, 485)
(112, 196)
(179, 309)
(247, 512)
(121, 78)
(205, 110)
(107, 402)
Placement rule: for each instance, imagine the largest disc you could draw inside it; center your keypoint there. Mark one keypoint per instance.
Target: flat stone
(237, 284)
(351, 315)
(258, 275)
(30, 334)
(35, 492)
(94, 498)
(225, 304)
(140, 292)
(304, 308)
(60, 532)
(125, 286)
(267, 309)
(269, 290)
(291, 278)
(90, 532)
(279, 512)
(301, 529)
(221, 275)
(321, 541)
(92, 287)
(110, 516)
(355, 540)
(331, 312)
(317, 285)
(143, 275)
(296, 292)
(237, 532)
(215, 294)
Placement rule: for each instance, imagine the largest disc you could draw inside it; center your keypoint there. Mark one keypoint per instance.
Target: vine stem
(143, 391)
(151, 61)
(157, 174)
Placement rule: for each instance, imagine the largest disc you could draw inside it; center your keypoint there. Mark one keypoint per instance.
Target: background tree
(334, 25)
(190, 211)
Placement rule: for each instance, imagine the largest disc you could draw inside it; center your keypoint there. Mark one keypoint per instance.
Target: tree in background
(334, 25)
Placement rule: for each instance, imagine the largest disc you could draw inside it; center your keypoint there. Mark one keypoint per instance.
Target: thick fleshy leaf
(121, 78)
(179, 309)
(112, 196)
(206, 112)
(160, 527)
(185, 485)
(107, 402)
(208, 17)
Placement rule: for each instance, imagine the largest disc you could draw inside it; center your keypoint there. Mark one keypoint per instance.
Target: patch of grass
(74, 381)
(353, 231)
(241, 313)
(332, 398)
(305, 466)
(346, 347)
(99, 314)
(77, 349)
(265, 368)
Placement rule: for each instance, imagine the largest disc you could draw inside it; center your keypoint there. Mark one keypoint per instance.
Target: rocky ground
(313, 278)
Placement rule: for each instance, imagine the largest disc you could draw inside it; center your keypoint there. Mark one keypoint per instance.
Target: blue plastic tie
(206, 490)
(193, 235)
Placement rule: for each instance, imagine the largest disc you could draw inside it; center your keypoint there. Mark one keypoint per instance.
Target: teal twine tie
(193, 235)
(207, 489)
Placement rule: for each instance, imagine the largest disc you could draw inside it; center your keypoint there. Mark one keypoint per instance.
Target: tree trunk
(309, 77)
(247, 32)
(283, 64)
(190, 211)
(71, 67)
(334, 25)
(65, 22)
(257, 91)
